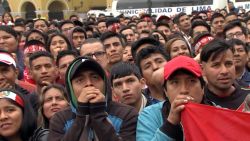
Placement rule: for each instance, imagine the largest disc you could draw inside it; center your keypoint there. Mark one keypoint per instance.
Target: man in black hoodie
(92, 116)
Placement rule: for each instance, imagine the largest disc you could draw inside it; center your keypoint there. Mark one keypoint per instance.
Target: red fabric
(202, 42)
(115, 27)
(33, 48)
(27, 77)
(28, 86)
(207, 123)
(241, 107)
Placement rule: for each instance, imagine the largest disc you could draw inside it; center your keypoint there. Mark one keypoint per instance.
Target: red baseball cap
(182, 62)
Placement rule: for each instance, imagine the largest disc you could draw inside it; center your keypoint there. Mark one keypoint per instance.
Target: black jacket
(232, 102)
(40, 134)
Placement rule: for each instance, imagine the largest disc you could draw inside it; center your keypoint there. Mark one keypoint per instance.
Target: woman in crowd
(58, 42)
(7, 19)
(9, 42)
(53, 99)
(177, 46)
(35, 34)
(158, 35)
(17, 119)
(127, 56)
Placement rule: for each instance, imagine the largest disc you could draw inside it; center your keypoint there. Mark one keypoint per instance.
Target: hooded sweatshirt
(70, 35)
(104, 121)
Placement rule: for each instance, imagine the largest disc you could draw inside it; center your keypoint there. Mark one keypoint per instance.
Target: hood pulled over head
(81, 64)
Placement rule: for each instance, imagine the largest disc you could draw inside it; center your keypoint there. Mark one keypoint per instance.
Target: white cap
(7, 59)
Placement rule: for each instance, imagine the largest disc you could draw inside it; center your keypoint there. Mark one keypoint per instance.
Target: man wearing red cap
(183, 84)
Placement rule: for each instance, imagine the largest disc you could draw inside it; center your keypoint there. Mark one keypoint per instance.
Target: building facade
(53, 9)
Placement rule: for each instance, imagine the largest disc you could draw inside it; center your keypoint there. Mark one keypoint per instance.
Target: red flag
(207, 123)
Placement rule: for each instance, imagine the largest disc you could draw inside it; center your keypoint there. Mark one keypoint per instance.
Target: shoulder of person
(121, 110)
(245, 89)
(240, 88)
(21, 89)
(65, 114)
(40, 134)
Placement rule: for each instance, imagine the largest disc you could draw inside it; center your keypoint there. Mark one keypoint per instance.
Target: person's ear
(164, 87)
(56, 70)
(16, 71)
(143, 82)
(30, 73)
(203, 69)
(114, 95)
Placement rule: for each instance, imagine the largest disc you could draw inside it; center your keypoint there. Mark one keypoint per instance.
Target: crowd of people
(119, 78)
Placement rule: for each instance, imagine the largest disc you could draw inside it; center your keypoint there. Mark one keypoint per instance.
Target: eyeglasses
(232, 35)
(96, 54)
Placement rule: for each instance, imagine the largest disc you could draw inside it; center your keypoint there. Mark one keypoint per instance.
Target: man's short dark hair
(177, 17)
(149, 50)
(91, 41)
(231, 13)
(20, 21)
(34, 42)
(124, 40)
(55, 23)
(139, 21)
(196, 18)
(123, 69)
(199, 23)
(89, 28)
(145, 32)
(236, 42)
(45, 37)
(213, 49)
(19, 24)
(9, 30)
(39, 54)
(63, 53)
(72, 16)
(80, 29)
(216, 15)
(53, 31)
(233, 24)
(247, 19)
(111, 21)
(111, 34)
(45, 21)
(101, 21)
(202, 12)
(65, 22)
(125, 28)
(89, 23)
(147, 40)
